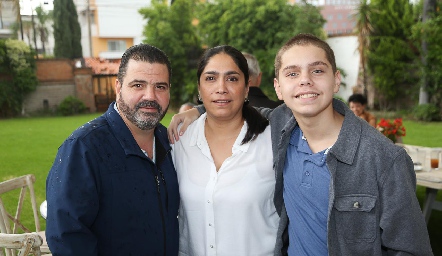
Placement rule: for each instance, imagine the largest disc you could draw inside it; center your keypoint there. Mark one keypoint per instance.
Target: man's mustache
(147, 103)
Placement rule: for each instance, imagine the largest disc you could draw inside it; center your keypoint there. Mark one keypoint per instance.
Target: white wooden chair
(10, 222)
(24, 244)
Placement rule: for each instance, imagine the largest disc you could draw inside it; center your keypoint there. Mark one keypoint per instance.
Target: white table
(432, 181)
(44, 209)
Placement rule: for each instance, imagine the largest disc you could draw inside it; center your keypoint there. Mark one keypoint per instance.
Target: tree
(429, 33)
(259, 27)
(26, 31)
(170, 28)
(43, 18)
(17, 70)
(67, 33)
(429, 7)
(392, 57)
(363, 30)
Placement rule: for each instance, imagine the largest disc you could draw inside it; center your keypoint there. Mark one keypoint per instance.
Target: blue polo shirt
(306, 194)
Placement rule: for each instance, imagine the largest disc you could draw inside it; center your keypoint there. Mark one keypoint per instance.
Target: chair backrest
(10, 222)
(24, 244)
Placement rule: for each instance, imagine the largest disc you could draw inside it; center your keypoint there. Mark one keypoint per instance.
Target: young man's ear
(277, 88)
(337, 81)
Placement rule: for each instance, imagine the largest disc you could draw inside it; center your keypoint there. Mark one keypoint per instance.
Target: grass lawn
(29, 145)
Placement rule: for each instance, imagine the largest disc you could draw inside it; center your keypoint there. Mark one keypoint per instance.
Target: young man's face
(306, 81)
(143, 96)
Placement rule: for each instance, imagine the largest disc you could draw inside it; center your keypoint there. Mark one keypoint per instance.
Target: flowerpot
(394, 138)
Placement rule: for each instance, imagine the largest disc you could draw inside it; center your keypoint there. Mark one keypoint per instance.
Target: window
(116, 45)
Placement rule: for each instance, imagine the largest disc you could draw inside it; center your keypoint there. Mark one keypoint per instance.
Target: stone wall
(47, 96)
(58, 79)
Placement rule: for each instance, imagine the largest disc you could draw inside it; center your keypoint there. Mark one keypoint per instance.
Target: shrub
(426, 112)
(17, 75)
(71, 106)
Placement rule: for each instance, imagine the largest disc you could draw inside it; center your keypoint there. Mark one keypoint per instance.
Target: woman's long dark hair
(255, 121)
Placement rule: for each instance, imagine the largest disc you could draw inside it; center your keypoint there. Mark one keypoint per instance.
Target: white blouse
(229, 212)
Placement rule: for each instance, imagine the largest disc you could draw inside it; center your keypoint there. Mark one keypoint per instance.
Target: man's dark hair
(146, 53)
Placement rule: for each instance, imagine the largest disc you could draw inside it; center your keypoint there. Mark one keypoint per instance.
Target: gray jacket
(373, 209)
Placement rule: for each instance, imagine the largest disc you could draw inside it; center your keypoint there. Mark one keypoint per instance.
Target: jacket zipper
(157, 180)
(162, 213)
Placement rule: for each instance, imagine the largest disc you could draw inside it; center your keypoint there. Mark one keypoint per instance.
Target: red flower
(391, 128)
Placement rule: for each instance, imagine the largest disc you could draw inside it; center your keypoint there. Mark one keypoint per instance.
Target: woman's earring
(200, 100)
(246, 101)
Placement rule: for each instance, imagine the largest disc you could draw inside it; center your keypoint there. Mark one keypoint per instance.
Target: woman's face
(223, 88)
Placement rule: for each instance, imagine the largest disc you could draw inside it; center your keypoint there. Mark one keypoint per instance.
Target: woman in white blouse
(224, 166)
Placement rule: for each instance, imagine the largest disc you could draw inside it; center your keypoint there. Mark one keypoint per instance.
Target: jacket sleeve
(72, 197)
(404, 231)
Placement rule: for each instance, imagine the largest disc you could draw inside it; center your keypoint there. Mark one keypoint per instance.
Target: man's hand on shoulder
(185, 118)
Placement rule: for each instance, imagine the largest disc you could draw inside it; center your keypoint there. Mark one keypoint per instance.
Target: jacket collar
(350, 135)
(348, 139)
(287, 114)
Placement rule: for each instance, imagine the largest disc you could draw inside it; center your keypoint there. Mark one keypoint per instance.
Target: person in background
(224, 166)
(186, 106)
(257, 97)
(357, 103)
(342, 188)
(113, 189)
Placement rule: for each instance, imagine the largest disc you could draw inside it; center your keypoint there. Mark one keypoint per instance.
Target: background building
(29, 21)
(111, 27)
(339, 27)
(7, 18)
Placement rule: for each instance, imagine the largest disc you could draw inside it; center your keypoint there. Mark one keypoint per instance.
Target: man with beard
(112, 189)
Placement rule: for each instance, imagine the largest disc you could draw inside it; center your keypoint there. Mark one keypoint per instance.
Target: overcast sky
(26, 6)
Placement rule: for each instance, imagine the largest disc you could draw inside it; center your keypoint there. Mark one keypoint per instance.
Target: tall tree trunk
(429, 7)
(43, 37)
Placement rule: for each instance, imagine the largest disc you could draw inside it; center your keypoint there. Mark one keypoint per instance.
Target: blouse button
(356, 205)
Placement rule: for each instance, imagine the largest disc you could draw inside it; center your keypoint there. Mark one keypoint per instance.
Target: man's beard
(144, 121)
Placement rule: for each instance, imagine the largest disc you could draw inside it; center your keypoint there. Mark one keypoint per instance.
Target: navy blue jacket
(103, 196)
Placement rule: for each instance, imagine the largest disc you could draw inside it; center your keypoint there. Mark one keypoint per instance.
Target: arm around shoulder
(186, 118)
